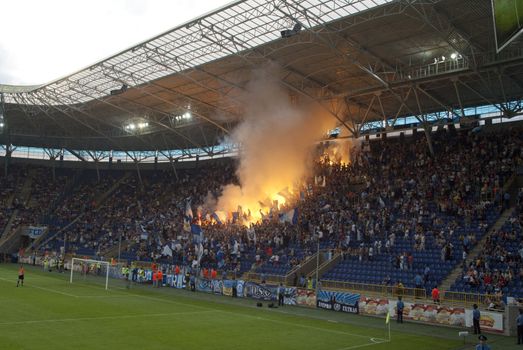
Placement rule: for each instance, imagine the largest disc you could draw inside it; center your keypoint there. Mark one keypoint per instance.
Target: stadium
(279, 174)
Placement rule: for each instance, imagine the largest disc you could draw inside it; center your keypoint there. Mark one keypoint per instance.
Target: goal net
(92, 271)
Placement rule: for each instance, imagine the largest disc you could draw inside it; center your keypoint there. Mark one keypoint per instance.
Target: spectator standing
(519, 322)
(476, 316)
(435, 295)
(418, 282)
(281, 295)
(399, 310)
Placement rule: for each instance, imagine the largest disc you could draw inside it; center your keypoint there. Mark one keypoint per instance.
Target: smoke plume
(277, 138)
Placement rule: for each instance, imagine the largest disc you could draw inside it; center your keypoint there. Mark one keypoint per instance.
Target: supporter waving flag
(291, 216)
(188, 210)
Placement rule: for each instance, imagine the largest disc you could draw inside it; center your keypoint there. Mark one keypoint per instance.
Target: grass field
(509, 15)
(50, 313)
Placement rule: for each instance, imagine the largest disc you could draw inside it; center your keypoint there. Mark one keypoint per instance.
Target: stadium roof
(362, 60)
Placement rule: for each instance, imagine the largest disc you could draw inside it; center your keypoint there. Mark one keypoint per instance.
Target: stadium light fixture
(454, 56)
(136, 124)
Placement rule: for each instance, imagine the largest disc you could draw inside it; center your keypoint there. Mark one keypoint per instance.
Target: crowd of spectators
(445, 201)
(393, 200)
(10, 186)
(498, 269)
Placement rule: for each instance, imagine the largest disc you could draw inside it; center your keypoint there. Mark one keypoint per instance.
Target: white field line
(118, 317)
(42, 288)
(262, 318)
(105, 296)
(301, 325)
(244, 315)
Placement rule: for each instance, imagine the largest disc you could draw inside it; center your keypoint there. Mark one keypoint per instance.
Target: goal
(95, 269)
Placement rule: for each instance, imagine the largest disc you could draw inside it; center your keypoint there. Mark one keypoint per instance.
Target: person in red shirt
(20, 275)
(205, 273)
(214, 273)
(154, 278)
(435, 295)
(177, 270)
(159, 278)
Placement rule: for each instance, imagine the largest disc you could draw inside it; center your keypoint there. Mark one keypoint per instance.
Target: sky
(41, 41)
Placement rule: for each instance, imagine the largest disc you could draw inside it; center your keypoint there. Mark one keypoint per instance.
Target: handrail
(461, 298)
(468, 298)
(385, 290)
(254, 276)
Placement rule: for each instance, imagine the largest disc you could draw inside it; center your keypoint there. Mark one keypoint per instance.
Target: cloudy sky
(41, 41)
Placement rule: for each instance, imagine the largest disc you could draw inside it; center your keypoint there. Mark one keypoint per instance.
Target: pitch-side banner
(373, 306)
(430, 313)
(338, 301)
(260, 291)
(290, 296)
(489, 321)
(306, 297)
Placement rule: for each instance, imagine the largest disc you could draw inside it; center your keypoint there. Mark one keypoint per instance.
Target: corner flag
(387, 319)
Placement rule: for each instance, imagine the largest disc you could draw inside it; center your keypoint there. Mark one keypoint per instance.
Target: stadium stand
(438, 208)
(498, 269)
(395, 214)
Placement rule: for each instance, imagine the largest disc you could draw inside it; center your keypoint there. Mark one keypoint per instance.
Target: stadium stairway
(290, 278)
(449, 280)
(325, 266)
(113, 251)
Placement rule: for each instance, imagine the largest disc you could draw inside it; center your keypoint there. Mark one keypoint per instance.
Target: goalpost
(86, 266)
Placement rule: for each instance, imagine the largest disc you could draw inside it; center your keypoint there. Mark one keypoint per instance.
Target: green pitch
(509, 18)
(50, 313)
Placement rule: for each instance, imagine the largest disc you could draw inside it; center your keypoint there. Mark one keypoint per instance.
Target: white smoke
(277, 138)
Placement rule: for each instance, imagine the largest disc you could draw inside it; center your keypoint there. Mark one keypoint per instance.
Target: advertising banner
(204, 285)
(338, 301)
(431, 313)
(260, 291)
(217, 286)
(240, 288)
(290, 296)
(306, 297)
(227, 287)
(489, 321)
(179, 281)
(373, 306)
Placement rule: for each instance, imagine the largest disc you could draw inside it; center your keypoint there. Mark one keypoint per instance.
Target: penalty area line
(43, 288)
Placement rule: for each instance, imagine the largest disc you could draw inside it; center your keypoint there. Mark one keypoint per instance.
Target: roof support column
(7, 159)
(427, 128)
(53, 154)
(97, 156)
